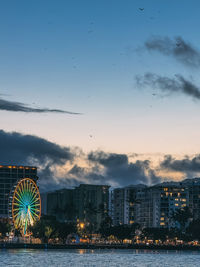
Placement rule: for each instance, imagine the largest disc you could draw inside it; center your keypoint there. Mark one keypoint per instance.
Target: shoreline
(97, 246)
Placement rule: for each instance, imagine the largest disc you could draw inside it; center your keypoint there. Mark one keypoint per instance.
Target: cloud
(20, 149)
(186, 165)
(21, 107)
(178, 84)
(177, 48)
(60, 167)
(119, 170)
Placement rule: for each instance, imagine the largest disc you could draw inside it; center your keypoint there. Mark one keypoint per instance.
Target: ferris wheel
(26, 204)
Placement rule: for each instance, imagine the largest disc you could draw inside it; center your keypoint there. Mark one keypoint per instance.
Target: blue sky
(83, 56)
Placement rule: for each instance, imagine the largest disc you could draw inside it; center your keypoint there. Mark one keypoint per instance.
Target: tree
(105, 226)
(5, 227)
(182, 216)
(45, 228)
(193, 230)
(155, 233)
(121, 232)
(64, 229)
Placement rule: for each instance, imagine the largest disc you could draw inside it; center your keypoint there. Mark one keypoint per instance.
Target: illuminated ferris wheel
(26, 204)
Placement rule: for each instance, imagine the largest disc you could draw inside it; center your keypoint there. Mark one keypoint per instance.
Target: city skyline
(100, 92)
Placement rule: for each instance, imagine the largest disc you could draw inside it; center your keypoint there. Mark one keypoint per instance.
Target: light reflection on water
(107, 258)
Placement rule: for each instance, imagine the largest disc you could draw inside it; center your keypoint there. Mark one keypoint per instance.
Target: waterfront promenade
(98, 246)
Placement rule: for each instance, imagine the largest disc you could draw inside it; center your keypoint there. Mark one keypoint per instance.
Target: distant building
(92, 203)
(124, 202)
(43, 203)
(60, 203)
(166, 199)
(193, 188)
(151, 206)
(9, 176)
(85, 203)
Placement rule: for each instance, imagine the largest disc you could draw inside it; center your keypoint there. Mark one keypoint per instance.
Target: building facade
(124, 204)
(9, 176)
(153, 206)
(60, 203)
(86, 203)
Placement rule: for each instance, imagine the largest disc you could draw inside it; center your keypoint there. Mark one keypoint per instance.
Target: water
(107, 258)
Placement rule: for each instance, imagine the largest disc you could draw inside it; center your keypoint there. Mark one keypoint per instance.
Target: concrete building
(152, 206)
(91, 202)
(124, 204)
(9, 176)
(86, 203)
(166, 199)
(193, 188)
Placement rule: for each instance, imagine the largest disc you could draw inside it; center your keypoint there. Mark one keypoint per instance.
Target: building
(153, 206)
(9, 176)
(86, 203)
(91, 204)
(149, 206)
(124, 204)
(60, 203)
(166, 199)
(193, 188)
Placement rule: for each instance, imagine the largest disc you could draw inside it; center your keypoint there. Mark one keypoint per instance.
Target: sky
(112, 80)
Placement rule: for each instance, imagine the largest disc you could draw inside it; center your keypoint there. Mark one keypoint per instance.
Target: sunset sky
(126, 72)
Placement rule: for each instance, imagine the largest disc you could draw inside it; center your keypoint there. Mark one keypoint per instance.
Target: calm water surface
(107, 258)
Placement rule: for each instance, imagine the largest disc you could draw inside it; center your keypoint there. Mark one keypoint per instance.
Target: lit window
(162, 223)
(176, 205)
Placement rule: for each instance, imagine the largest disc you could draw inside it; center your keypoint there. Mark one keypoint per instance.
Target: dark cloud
(58, 166)
(178, 84)
(19, 149)
(181, 165)
(119, 170)
(21, 107)
(181, 50)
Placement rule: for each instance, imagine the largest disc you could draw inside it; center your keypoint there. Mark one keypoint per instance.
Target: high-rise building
(86, 203)
(9, 176)
(60, 203)
(166, 199)
(153, 206)
(124, 203)
(193, 188)
(91, 203)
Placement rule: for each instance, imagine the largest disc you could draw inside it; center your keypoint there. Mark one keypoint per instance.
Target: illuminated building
(150, 206)
(9, 176)
(193, 187)
(124, 202)
(166, 199)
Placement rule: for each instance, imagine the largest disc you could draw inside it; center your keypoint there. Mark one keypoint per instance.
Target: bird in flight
(141, 8)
